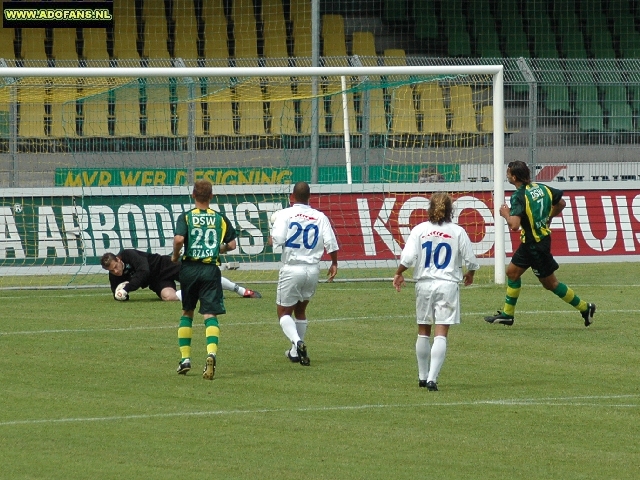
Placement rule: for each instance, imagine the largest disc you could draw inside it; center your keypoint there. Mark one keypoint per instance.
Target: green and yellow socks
(185, 333)
(562, 291)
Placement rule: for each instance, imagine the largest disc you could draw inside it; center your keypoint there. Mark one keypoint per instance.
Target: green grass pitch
(89, 388)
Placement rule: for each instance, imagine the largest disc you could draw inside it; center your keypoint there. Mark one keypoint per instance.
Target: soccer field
(90, 389)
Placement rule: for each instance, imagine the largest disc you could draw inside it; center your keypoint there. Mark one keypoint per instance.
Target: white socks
(289, 328)
(301, 327)
(179, 294)
(430, 358)
(438, 352)
(423, 353)
(232, 287)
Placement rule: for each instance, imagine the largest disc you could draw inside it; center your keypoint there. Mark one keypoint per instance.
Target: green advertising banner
(331, 174)
(69, 230)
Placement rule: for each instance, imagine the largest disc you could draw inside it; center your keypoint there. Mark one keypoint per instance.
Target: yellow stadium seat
(250, 110)
(32, 44)
(300, 15)
(31, 112)
(7, 37)
(281, 110)
(95, 117)
(403, 113)
(158, 111)
(182, 109)
(216, 50)
(432, 108)
(60, 97)
(64, 44)
(486, 120)
(125, 30)
(377, 115)
(220, 113)
(463, 112)
(363, 44)
(304, 92)
(127, 111)
(156, 32)
(333, 39)
(186, 31)
(395, 57)
(336, 111)
(245, 33)
(94, 49)
(302, 47)
(275, 34)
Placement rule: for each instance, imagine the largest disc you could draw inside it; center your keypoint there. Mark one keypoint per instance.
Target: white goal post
(495, 71)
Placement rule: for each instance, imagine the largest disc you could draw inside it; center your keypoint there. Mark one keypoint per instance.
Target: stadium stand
(278, 33)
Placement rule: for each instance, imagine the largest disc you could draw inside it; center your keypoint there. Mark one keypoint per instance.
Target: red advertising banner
(374, 226)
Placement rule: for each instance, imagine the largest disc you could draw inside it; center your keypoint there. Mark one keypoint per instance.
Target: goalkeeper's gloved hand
(121, 293)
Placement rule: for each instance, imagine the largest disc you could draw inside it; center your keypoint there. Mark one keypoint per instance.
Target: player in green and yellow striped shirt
(204, 234)
(533, 205)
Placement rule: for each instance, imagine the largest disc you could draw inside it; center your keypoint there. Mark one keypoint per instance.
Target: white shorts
(437, 301)
(296, 283)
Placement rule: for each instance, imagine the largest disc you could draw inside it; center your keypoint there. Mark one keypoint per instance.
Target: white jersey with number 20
(304, 233)
(438, 252)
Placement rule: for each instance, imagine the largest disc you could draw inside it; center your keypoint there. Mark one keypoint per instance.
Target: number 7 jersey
(304, 233)
(438, 252)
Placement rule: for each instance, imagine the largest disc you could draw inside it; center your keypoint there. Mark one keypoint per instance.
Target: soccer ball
(121, 294)
(273, 218)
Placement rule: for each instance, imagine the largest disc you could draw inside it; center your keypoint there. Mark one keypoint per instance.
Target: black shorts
(201, 282)
(536, 255)
(169, 273)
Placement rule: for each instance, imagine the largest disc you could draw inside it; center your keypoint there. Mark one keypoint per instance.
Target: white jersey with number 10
(438, 252)
(304, 233)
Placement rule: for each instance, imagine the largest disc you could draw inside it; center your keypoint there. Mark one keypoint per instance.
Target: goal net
(97, 160)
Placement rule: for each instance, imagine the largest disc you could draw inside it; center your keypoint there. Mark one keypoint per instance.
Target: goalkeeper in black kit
(131, 270)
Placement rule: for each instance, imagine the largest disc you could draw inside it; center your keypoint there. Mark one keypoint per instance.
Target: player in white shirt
(437, 250)
(304, 234)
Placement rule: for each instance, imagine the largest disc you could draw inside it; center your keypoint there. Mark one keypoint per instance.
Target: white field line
(350, 288)
(198, 324)
(590, 401)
